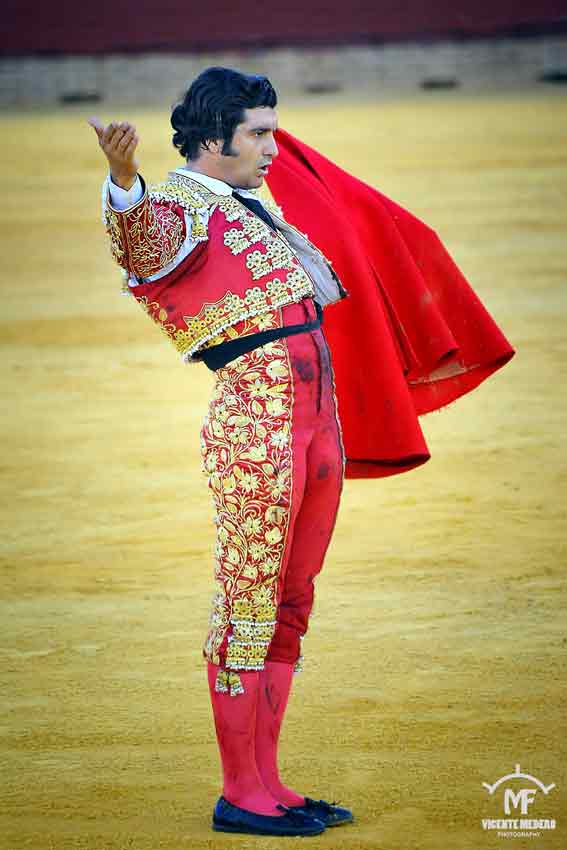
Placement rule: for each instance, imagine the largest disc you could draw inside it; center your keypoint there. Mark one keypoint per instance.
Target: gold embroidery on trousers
(247, 458)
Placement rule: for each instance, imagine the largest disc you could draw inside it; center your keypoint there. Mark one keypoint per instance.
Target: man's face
(253, 147)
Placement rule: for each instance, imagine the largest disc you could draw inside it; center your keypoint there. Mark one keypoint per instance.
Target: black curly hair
(213, 107)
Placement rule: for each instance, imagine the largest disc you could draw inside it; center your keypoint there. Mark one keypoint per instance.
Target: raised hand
(119, 141)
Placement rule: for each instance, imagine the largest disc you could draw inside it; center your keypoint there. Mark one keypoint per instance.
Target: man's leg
(312, 534)
(312, 531)
(256, 479)
(274, 687)
(235, 721)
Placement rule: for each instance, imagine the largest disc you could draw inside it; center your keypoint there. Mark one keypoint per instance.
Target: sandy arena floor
(436, 656)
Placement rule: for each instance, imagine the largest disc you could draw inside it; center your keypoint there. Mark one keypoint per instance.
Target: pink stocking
(235, 721)
(275, 684)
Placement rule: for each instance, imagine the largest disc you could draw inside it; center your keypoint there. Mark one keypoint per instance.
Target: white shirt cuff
(122, 199)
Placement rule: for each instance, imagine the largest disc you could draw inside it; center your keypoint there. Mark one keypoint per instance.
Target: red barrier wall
(135, 25)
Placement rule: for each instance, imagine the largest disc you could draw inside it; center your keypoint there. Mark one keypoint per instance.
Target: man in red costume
(232, 283)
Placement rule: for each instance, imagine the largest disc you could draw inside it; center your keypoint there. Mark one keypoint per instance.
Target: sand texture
(436, 654)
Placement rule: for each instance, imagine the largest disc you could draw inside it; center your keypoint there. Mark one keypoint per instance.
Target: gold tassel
(228, 682)
(298, 667)
(198, 230)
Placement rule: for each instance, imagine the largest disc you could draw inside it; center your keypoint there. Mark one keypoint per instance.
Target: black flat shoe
(230, 818)
(330, 814)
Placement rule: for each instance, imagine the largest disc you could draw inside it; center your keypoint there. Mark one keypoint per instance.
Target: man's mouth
(264, 168)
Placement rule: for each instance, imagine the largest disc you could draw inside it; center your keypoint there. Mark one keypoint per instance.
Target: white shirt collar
(219, 187)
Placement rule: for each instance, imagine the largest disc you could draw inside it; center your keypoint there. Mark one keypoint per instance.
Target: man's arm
(145, 235)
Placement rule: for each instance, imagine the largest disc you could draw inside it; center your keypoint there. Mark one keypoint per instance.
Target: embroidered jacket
(242, 268)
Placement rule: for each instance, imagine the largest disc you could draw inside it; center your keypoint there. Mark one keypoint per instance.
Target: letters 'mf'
(524, 797)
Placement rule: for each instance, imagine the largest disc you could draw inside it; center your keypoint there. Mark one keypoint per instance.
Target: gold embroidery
(236, 240)
(112, 222)
(156, 312)
(298, 666)
(246, 327)
(164, 231)
(155, 235)
(247, 458)
(253, 230)
(185, 192)
(231, 208)
(214, 318)
(228, 683)
(276, 256)
(145, 238)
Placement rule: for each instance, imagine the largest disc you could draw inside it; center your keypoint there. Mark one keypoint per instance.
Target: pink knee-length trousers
(273, 456)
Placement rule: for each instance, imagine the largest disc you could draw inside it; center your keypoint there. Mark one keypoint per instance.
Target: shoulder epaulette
(187, 194)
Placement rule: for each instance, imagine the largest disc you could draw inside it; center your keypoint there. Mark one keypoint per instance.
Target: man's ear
(213, 146)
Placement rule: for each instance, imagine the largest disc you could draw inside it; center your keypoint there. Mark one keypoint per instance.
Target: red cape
(411, 337)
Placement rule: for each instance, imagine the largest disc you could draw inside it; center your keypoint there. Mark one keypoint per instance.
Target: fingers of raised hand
(124, 145)
(114, 134)
(131, 147)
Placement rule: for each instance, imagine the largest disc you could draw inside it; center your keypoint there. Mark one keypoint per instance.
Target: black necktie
(257, 208)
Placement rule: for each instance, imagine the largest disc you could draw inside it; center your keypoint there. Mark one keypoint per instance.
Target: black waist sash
(219, 355)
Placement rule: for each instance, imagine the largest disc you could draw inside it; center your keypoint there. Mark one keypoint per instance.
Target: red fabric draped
(412, 336)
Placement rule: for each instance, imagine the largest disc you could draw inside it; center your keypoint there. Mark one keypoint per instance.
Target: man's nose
(271, 148)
